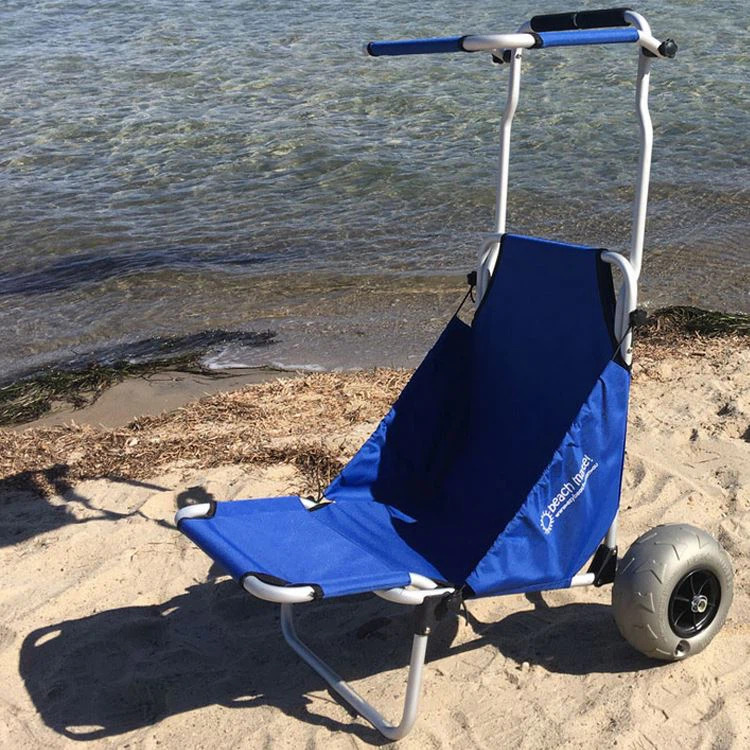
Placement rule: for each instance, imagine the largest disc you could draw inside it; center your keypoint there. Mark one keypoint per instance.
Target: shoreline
(114, 393)
(150, 395)
(262, 417)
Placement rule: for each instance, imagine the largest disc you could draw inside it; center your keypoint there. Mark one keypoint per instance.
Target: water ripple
(144, 142)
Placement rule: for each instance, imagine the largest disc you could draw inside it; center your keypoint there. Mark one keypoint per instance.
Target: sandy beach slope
(117, 632)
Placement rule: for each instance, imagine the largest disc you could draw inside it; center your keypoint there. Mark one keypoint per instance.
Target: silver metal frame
(421, 589)
(359, 704)
(524, 40)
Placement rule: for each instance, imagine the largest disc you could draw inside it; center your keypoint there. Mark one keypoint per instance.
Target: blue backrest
(480, 420)
(540, 339)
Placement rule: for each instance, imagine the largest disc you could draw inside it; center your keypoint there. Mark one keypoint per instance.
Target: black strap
(471, 280)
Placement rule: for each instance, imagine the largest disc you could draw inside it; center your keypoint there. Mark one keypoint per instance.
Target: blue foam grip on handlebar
(416, 46)
(588, 36)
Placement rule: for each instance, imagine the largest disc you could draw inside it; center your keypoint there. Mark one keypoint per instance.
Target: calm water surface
(170, 166)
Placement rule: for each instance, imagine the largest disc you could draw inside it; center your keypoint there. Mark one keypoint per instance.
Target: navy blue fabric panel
(540, 341)
(567, 513)
(479, 422)
(405, 460)
(281, 538)
(387, 497)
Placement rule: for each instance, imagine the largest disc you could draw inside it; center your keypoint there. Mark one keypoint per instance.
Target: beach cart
(498, 469)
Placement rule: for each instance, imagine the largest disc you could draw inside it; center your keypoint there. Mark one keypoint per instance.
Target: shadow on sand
(26, 511)
(127, 668)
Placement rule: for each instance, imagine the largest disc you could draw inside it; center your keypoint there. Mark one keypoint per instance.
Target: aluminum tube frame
(492, 42)
(198, 510)
(356, 701)
(584, 579)
(278, 594)
(491, 246)
(419, 589)
(414, 680)
(627, 300)
(489, 250)
(415, 594)
(640, 203)
(511, 104)
(524, 40)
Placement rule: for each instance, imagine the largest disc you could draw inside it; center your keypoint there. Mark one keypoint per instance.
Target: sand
(117, 632)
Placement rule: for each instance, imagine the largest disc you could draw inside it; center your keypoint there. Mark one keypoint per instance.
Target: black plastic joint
(638, 317)
(604, 565)
(450, 604)
(435, 608)
(425, 618)
(668, 48)
(471, 278)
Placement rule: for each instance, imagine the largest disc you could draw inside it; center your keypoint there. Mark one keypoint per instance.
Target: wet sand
(151, 395)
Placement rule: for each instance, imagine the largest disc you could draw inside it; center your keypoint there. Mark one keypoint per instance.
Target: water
(172, 166)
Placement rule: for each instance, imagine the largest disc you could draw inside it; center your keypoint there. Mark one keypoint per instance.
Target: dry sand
(117, 632)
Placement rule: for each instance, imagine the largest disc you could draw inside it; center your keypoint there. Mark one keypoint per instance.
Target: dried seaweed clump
(302, 421)
(681, 320)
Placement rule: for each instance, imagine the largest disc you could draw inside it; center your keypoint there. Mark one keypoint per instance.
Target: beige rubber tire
(648, 575)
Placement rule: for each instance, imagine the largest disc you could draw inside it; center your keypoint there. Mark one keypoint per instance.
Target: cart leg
(359, 704)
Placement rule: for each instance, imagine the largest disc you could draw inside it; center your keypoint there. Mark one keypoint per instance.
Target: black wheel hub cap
(694, 603)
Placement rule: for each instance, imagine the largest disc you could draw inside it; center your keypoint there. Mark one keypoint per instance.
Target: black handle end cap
(668, 48)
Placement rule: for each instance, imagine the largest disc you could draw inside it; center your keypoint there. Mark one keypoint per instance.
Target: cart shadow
(574, 639)
(127, 668)
(26, 510)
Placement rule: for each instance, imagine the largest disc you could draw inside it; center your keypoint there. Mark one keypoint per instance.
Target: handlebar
(476, 43)
(610, 26)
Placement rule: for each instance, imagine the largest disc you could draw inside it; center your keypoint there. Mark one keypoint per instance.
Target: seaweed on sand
(81, 380)
(693, 321)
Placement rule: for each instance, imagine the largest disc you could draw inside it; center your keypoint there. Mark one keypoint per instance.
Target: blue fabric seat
(498, 468)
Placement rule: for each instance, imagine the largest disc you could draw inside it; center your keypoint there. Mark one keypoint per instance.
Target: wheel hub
(694, 602)
(699, 604)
